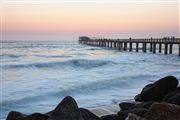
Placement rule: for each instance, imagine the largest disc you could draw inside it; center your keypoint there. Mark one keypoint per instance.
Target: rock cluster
(157, 101)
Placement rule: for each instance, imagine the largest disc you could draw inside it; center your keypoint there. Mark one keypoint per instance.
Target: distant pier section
(161, 45)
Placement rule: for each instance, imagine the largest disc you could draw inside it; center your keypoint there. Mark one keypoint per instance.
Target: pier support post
(160, 47)
(137, 47)
(179, 49)
(165, 48)
(102, 44)
(120, 45)
(151, 46)
(125, 46)
(114, 44)
(154, 47)
(170, 48)
(144, 47)
(108, 44)
(130, 46)
(117, 45)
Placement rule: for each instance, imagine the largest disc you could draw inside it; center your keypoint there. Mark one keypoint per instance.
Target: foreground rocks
(158, 90)
(66, 110)
(173, 97)
(19, 116)
(163, 111)
(157, 101)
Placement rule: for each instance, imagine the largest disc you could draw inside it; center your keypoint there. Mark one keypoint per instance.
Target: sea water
(36, 76)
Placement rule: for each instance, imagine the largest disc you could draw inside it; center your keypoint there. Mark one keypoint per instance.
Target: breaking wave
(82, 63)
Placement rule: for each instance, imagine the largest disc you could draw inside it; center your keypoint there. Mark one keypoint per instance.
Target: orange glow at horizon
(89, 18)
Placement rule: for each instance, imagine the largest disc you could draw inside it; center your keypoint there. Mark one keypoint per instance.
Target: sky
(57, 20)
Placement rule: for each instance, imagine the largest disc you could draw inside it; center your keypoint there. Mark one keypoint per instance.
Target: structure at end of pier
(152, 44)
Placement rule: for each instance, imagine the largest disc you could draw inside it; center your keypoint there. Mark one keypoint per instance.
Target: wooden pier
(152, 44)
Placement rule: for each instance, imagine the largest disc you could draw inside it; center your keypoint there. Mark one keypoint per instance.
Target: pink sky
(67, 21)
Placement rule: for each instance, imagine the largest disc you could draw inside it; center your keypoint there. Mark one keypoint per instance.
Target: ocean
(36, 76)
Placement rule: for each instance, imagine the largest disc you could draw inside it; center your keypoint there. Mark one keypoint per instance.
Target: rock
(163, 111)
(157, 90)
(66, 110)
(87, 115)
(173, 98)
(109, 117)
(122, 115)
(132, 116)
(19, 116)
(126, 105)
(142, 105)
(146, 105)
(13, 115)
(138, 111)
(49, 113)
(138, 97)
(36, 116)
(132, 105)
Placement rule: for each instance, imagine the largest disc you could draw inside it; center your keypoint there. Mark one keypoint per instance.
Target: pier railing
(153, 44)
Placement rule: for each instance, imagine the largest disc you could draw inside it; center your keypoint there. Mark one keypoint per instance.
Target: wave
(10, 56)
(117, 83)
(53, 56)
(81, 63)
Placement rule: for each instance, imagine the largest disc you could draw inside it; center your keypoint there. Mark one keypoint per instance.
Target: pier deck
(152, 44)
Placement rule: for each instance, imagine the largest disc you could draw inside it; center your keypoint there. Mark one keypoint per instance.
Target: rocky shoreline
(157, 101)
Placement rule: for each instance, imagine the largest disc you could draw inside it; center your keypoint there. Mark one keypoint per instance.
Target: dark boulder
(173, 98)
(13, 115)
(122, 115)
(109, 117)
(49, 113)
(66, 110)
(142, 105)
(157, 90)
(87, 115)
(126, 105)
(147, 104)
(163, 111)
(131, 105)
(138, 111)
(36, 116)
(19, 116)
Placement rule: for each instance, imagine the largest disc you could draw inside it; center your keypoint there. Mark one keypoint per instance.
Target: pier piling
(160, 47)
(154, 47)
(151, 47)
(137, 47)
(130, 46)
(170, 48)
(165, 48)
